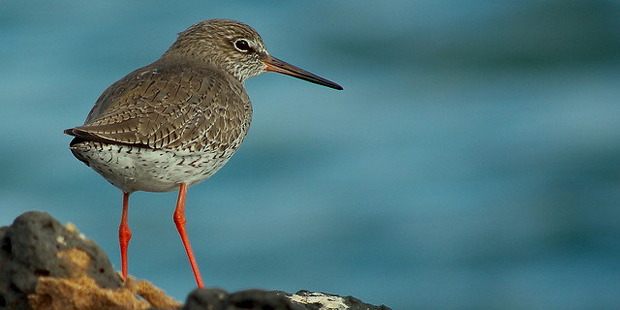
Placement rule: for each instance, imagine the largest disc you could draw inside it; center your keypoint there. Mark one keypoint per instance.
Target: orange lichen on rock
(45, 265)
(82, 292)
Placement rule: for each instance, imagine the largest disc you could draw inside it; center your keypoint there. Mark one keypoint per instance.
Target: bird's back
(162, 125)
(171, 106)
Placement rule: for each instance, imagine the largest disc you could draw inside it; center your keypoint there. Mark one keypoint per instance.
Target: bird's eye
(242, 45)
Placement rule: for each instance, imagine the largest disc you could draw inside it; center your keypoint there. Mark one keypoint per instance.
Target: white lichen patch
(72, 228)
(327, 302)
(60, 239)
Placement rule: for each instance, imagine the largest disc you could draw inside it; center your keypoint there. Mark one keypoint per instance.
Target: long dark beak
(276, 65)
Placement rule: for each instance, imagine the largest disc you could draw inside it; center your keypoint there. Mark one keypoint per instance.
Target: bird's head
(236, 48)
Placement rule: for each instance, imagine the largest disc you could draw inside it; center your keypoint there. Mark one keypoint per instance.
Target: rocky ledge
(45, 265)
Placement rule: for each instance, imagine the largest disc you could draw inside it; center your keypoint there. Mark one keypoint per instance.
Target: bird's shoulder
(168, 84)
(158, 104)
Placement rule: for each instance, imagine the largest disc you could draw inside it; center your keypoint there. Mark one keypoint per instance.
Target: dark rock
(203, 299)
(44, 265)
(30, 248)
(216, 299)
(259, 300)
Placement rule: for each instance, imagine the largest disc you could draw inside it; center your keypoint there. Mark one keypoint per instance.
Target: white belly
(132, 168)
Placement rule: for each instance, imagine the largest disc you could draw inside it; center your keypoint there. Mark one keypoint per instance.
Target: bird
(175, 122)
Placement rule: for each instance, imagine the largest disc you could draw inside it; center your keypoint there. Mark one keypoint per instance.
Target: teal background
(472, 161)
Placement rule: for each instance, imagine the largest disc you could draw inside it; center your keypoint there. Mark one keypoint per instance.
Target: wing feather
(173, 107)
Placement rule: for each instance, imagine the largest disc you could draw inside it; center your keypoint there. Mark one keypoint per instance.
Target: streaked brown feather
(178, 106)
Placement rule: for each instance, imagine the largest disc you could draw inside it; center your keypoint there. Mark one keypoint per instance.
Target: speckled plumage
(177, 121)
(179, 107)
(169, 124)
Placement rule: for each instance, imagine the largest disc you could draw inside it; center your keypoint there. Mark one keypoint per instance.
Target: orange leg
(124, 234)
(179, 221)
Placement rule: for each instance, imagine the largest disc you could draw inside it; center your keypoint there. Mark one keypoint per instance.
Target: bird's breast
(133, 168)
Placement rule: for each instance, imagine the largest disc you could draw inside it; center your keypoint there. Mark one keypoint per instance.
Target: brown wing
(174, 107)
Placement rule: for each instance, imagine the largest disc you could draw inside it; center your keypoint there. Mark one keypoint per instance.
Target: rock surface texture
(45, 265)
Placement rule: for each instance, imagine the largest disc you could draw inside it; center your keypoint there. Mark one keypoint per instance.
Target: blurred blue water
(472, 161)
